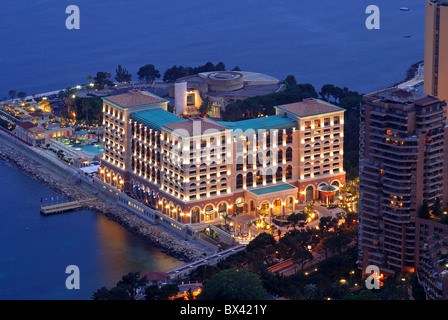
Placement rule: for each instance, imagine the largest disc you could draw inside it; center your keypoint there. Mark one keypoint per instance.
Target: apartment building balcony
(371, 232)
(394, 152)
(396, 218)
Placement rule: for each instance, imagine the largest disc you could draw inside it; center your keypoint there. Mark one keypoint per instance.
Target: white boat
(404, 9)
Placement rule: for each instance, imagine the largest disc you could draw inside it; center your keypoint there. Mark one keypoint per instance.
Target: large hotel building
(403, 162)
(195, 170)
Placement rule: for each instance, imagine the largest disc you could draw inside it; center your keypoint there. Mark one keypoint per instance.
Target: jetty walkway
(65, 206)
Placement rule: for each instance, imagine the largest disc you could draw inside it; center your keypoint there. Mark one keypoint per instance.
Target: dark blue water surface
(317, 41)
(35, 250)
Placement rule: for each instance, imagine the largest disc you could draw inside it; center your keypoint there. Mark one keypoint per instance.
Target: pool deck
(272, 189)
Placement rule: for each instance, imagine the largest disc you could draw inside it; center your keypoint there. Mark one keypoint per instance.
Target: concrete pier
(64, 207)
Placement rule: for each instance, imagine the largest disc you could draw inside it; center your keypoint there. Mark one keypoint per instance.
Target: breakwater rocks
(174, 246)
(165, 241)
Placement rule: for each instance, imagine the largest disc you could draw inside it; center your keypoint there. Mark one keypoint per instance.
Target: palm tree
(226, 217)
(85, 107)
(189, 295)
(309, 208)
(311, 291)
(343, 190)
(12, 94)
(122, 75)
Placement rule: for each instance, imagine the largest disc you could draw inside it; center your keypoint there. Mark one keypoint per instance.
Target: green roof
(272, 189)
(156, 118)
(269, 122)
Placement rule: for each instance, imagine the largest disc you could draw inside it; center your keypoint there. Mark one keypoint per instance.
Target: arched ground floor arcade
(273, 200)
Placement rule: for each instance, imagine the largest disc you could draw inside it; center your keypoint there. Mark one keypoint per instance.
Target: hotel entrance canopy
(273, 197)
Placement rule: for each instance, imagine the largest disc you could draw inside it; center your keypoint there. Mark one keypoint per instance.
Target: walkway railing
(185, 270)
(65, 206)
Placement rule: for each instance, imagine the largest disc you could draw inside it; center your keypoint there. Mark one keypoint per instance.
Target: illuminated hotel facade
(197, 170)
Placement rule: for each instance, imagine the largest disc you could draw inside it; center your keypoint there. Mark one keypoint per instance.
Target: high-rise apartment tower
(403, 161)
(436, 49)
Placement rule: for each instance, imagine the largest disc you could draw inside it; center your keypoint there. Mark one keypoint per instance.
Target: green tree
(338, 242)
(203, 272)
(302, 256)
(204, 108)
(119, 293)
(116, 293)
(148, 73)
(264, 105)
(311, 291)
(85, 107)
(338, 290)
(22, 95)
(190, 295)
(334, 243)
(233, 284)
(309, 208)
(424, 210)
(363, 294)
(297, 219)
(101, 294)
(291, 80)
(438, 209)
(392, 288)
(102, 79)
(152, 292)
(444, 219)
(263, 240)
(168, 290)
(220, 66)
(208, 67)
(174, 73)
(326, 223)
(327, 91)
(131, 282)
(12, 94)
(122, 75)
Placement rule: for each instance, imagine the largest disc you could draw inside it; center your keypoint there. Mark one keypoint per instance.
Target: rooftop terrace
(156, 118)
(269, 122)
(309, 107)
(195, 126)
(134, 99)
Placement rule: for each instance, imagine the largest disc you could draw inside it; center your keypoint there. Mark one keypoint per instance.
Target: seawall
(64, 179)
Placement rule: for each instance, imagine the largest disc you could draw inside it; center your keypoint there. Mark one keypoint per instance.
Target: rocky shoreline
(166, 242)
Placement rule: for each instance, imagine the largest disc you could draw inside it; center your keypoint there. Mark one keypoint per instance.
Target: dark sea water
(317, 41)
(35, 249)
